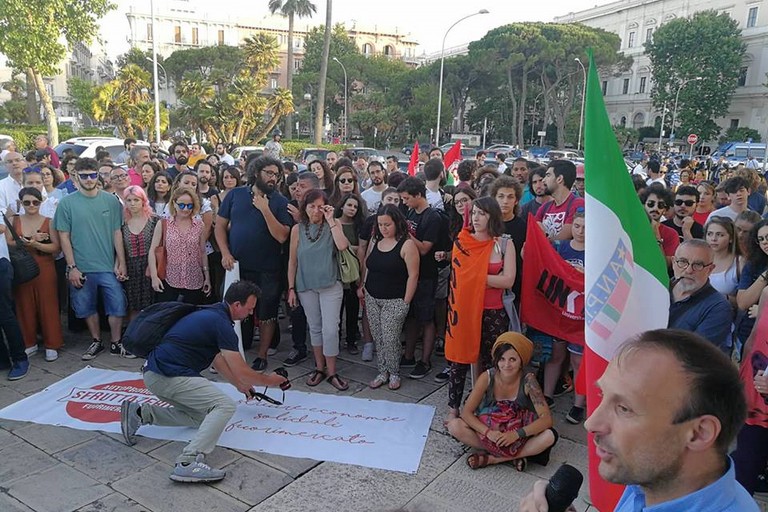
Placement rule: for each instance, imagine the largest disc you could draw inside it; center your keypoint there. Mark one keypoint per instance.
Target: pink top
(184, 270)
(493, 296)
(135, 177)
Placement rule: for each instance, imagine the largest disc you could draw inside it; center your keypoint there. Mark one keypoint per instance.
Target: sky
(425, 20)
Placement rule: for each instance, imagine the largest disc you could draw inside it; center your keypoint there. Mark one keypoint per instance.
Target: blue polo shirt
(250, 241)
(707, 313)
(190, 346)
(723, 495)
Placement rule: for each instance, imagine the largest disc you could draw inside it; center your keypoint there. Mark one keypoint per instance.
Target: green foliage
(14, 109)
(292, 147)
(82, 93)
(143, 59)
(741, 133)
(707, 45)
(24, 134)
(626, 137)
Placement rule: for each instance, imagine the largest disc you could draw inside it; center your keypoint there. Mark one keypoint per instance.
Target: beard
(182, 160)
(265, 187)
(203, 180)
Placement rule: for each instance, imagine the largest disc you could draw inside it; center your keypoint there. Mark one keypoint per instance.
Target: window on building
(752, 17)
(389, 51)
(625, 87)
(648, 35)
(195, 39)
(623, 121)
(367, 49)
(605, 87)
(177, 34)
(643, 81)
(149, 31)
(221, 37)
(297, 64)
(742, 76)
(273, 83)
(734, 123)
(298, 43)
(631, 40)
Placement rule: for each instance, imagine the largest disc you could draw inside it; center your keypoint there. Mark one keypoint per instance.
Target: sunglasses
(33, 202)
(188, 206)
(652, 204)
(88, 176)
(347, 180)
(255, 395)
(688, 203)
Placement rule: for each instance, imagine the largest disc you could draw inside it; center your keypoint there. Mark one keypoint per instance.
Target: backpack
(147, 330)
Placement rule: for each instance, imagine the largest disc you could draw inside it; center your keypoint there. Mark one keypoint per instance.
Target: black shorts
(271, 284)
(423, 304)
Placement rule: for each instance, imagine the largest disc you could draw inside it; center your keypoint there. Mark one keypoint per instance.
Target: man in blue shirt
(694, 304)
(172, 373)
(671, 405)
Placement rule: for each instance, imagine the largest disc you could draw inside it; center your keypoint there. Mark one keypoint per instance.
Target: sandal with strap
(316, 378)
(335, 381)
(519, 464)
(477, 460)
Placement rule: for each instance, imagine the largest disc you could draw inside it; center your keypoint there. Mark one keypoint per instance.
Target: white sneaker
(51, 355)
(31, 350)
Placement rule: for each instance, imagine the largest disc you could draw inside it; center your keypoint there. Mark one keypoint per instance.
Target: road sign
(542, 134)
(693, 139)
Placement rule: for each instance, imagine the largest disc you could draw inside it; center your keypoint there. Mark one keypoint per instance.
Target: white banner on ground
(371, 433)
(232, 276)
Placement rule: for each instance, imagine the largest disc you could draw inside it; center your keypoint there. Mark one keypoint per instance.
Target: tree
(742, 133)
(143, 59)
(14, 110)
(707, 45)
(81, 95)
(320, 111)
(31, 39)
(291, 9)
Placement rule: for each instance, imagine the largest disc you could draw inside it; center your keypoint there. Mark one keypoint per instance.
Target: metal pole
(154, 68)
(485, 130)
(583, 97)
(677, 97)
(345, 99)
(442, 66)
(661, 127)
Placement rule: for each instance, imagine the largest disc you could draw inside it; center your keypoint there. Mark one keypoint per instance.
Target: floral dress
(138, 287)
(505, 416)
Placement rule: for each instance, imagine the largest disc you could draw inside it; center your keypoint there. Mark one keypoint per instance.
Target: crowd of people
(113, 240)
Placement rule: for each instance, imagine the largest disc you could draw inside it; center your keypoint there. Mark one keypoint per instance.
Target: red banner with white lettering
(552, 298)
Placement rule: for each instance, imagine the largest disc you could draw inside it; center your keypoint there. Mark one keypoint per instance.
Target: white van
(737, 152)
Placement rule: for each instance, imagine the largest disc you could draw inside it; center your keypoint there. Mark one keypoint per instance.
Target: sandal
(335, 381)
(379, 381)
(316, 378)
(477, 460)
(394, 382)
(519, 464)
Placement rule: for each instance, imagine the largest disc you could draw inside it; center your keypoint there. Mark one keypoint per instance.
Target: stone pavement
(56, 469)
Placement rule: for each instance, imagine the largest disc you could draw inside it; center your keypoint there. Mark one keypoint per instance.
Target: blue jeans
(84, 300)
(9, 324)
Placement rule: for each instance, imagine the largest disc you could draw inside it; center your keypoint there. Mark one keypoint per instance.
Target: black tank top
(387, 273)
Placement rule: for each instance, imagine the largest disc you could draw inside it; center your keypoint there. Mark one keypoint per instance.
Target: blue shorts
(573, 348)
(85, 299)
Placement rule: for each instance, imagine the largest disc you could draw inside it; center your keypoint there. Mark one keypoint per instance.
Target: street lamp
(442, 64)
(344, 139)
(165, 74)
(308, 98)
(154, 73)
(583, 97)
(677, 96)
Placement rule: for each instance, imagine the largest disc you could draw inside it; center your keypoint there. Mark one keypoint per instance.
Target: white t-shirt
(725, 211)
(372, 200)
(435, 199)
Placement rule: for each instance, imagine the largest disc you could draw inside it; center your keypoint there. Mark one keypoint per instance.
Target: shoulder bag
(25, 268)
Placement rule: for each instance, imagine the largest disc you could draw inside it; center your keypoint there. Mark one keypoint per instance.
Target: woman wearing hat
(506, 417)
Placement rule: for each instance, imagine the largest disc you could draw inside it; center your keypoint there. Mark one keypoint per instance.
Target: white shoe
(31, 350)
(51, 355)
(271, 351)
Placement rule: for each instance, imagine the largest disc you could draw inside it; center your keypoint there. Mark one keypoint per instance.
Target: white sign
(542, 133)
(371, 433)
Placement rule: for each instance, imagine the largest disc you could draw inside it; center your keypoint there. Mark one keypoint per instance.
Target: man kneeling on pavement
(172, 373)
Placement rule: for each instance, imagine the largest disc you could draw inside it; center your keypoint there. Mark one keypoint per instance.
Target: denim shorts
(85, 299)
(271, 284)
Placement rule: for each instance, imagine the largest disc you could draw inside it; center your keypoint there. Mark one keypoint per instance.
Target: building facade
(628, 96)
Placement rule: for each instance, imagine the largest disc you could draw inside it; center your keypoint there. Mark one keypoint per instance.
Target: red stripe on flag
(452, 155)
(600, 329)
(619, 296)
(414, 163)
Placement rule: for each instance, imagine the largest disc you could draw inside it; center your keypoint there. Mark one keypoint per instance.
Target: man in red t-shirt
(656, 199)
(556, 216)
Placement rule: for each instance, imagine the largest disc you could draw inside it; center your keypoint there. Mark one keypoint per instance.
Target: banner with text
(371, 433)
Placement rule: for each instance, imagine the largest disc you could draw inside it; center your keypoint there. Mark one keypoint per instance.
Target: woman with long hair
(391, 272)
(344, 183)
(754, 279)
(506, 417)
(187, 276)
(313, 278)
(720, 234)
(138, 230)
(229, 178)
(483, 264)
(148, 170)
(324, 174)
(706, 204)
(350, 212)
(159, 191)
(37, 303)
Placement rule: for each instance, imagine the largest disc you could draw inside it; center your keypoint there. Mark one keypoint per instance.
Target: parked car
(85, 147)
(366, 153)
(307, 155)
(538, 151)
(737, 152)
(247, 150)
(557, 154)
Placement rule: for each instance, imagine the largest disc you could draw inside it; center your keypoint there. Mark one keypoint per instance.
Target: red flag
(552, 297)
(452, 155)
(414, 164)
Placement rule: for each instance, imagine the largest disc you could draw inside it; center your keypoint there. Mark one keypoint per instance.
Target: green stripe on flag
(611, 313)
(609, 182)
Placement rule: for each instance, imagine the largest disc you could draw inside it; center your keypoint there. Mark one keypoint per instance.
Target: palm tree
(260, 53)
(280, 104)
(291, 9)
(320, 111)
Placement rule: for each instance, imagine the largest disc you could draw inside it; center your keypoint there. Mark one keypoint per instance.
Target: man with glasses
(118, 179)
(89, 224)
(656, 199)
(180, 153)
(11, 184)
(252, 224)
(686, 199)
(695, 305)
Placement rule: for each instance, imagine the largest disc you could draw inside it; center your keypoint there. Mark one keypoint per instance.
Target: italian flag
(626, 274)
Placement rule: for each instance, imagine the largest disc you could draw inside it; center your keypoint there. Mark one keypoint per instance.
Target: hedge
(24, 134)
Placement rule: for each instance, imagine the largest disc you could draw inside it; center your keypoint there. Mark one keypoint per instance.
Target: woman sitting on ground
(506, 417)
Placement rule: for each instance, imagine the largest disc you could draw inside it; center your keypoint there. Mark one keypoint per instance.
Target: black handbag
(25, 268)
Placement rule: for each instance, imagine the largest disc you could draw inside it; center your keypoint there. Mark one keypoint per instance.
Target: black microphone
(563, 488)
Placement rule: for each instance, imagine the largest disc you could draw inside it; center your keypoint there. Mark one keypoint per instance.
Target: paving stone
(36, 380)
(359, 373)
(143, 444)
(252, 482)
(7, 439)
(417, 389)
(52, 439)
(105, 459)
(11, 504)
(152, 488)
(65, 489)
(292, 466)
(9, 396)
(565, 452)
(22, 459)
(218, 458)
(114, 502)
(300, 384)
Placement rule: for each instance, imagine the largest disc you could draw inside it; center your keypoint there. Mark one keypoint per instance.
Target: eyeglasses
(15, 160)
(696, 266)
(652, 204)
(263, 396)
(760, 239)
(688, 203)
(33, 202)
(88, 175)
(188, 206)
(119, 177)
(347, 180)
(463, 201)
(271, 174)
